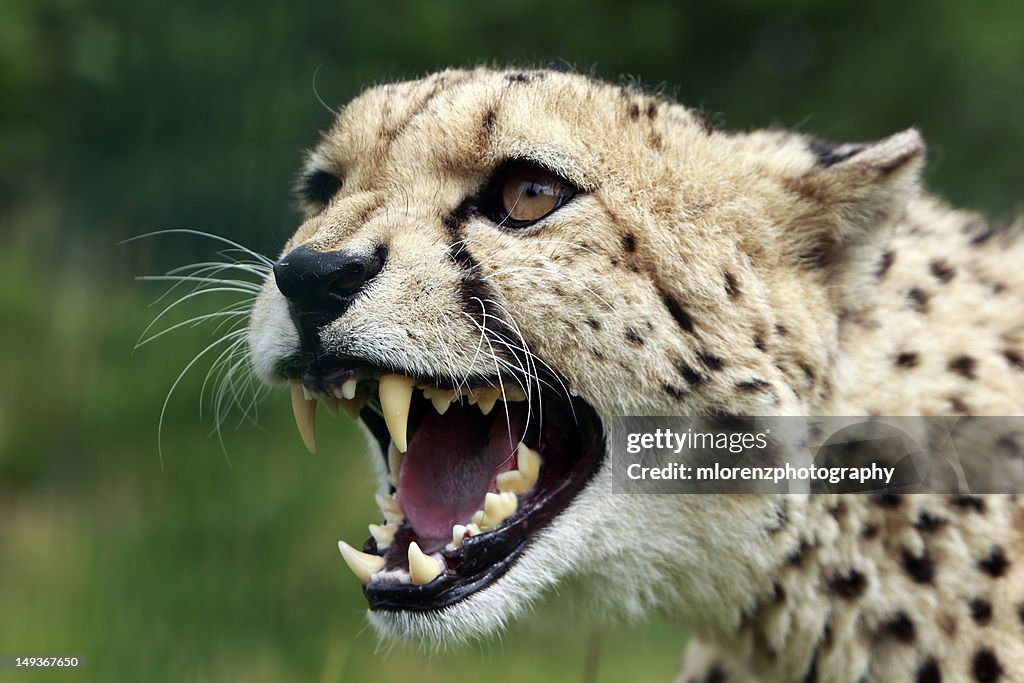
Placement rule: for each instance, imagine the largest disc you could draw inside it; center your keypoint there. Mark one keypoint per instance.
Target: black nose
(321, 281)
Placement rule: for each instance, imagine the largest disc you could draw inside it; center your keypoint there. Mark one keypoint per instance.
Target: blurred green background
(118, 118)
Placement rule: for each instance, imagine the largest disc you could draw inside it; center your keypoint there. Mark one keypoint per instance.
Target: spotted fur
(698, 271)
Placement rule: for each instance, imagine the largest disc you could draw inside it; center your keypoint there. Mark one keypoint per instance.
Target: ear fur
(845, 205)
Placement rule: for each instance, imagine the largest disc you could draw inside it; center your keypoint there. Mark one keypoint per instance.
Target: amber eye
(528, 194)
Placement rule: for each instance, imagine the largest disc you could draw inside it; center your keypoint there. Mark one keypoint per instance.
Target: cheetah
(495, 263)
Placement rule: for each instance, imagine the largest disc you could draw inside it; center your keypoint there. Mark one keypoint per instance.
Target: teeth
(440, 398)
(394, 465)
(458, 535)
(486, 398)
(304, 410)
(383, 534)
(422, 568)
(497, 508)
(363, 565)
(390, 509)
(395, 394)
(514, 392)
(348, 389)
(332, 405)
(352, 407)
(524, 478)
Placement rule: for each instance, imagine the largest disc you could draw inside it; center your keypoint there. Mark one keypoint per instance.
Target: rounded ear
(839, 210)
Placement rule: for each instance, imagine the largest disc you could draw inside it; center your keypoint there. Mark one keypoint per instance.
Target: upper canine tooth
(497, 508)
(395, 394)
(363, 565)
(394, 464)
(383, 534)
(348, 389)
(390, 508)
(304, 411)
(422, 568)
(486, 398)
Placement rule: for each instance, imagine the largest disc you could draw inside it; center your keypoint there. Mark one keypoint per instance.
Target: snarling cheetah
(493, 264)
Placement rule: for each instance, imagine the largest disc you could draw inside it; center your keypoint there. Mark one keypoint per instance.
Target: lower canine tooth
(395, 393)
(422, 568)
(305, 415)
(383, 535)
(363, 565)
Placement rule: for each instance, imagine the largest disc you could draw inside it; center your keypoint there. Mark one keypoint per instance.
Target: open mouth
(475, 469)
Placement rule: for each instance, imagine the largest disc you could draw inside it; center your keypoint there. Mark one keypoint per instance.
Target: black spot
(710, 361)
(595, 325)
(921, 569)
(781, 330)
(907, 359)
(675, 392)
(926, 521)
(778, 593)
(985, 667)
(689, 374)
(518, 77)
(958, 406)
(629, 242)
(981, 611)
(704, 123)
(884, 264)
(998, 287)
(869, 531)
(888, 500)
(652, 110)
(983, 235)
(1008, 444)
(995, 563)
(1014, 358)
(838, 510)
(1020, 612)
(732, 287)
(969, 503)
(807, 370)
(752, 385)
(759, 343)
(929, 672)
(848, 586)
(680, 315)
(716, 674)
(899, 627)
(634, 111)
(963, 365)
(918, 299)
(831, 153)
(797, 556)
(633, 337)
(942, 271)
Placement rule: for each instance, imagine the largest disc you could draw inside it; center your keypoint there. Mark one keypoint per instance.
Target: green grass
(207, 567)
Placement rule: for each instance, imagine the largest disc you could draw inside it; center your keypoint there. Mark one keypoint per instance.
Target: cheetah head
(494, 263)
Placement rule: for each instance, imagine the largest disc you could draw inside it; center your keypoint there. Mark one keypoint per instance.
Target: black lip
(483, 559)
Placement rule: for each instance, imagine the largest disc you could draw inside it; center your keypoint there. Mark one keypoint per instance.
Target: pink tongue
(451, 464)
